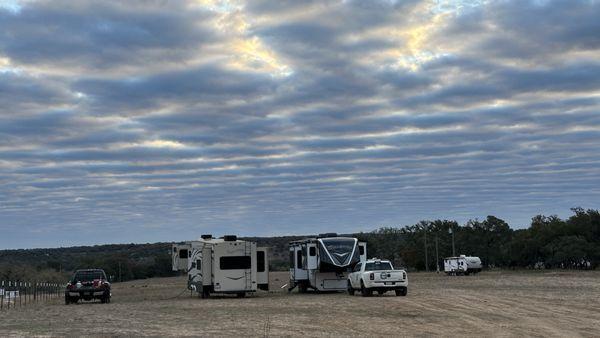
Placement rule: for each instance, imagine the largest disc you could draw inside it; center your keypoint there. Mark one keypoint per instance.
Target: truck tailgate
(390, 275)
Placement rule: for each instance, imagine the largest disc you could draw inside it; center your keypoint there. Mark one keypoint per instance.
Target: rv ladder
(248, 272)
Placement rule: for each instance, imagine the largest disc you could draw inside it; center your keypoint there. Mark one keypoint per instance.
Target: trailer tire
(350, 289)
(302, 288)
(241, 294)
(365, 292)
(67, 300)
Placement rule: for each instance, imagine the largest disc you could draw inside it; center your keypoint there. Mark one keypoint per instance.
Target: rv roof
(217, 240)
(310, 239)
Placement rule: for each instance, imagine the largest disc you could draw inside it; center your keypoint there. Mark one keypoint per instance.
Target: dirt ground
(544, 304)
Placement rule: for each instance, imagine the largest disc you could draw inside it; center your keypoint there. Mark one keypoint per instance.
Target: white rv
(222, 265)
(323, 263)
(462, 265)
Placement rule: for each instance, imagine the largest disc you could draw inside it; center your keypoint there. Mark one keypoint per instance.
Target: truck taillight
(404, 275)
(372, 276)
(70, 286)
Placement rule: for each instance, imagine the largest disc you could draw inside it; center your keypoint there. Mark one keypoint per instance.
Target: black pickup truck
(88, 284)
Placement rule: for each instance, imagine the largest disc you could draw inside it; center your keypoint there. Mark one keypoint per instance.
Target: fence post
(8, 304)
(2, 299)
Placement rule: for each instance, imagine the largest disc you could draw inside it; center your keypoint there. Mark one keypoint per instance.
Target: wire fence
(15, 294)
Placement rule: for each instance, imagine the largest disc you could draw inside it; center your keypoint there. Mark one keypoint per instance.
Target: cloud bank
(159, 121)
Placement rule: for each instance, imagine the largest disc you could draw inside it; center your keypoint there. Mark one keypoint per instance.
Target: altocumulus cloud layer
(156, 121)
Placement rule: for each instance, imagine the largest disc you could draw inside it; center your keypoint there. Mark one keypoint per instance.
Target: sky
(146, 121)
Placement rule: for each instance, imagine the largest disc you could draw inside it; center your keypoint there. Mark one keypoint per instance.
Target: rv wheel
(302, 288)
(350, 289)
(241, 294)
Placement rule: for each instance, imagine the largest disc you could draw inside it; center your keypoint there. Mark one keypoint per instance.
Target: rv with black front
(322, 263)
(222, 265)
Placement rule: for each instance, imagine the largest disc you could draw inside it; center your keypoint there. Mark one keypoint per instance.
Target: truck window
(361, 249)
(260, 261)
(376, 266)
(88, 276)
(235, 262)
(357, 267)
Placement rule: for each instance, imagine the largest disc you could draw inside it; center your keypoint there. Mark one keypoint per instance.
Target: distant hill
(120, 261)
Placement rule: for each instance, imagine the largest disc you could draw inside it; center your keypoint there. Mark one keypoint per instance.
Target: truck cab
(377, 275)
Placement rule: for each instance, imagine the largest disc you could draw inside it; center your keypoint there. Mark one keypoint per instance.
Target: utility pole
(426, 258)
(437, 258)
(453, 249)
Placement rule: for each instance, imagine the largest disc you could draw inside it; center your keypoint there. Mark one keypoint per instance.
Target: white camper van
(222, 265)
(324, 262)
(462, 265)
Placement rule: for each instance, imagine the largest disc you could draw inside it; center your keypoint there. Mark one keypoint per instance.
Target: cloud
(270, 118)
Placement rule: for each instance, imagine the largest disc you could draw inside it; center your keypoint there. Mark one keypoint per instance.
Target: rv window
(361, 249)
(299, 259)
(260, 261)
(235, 262)
(193, 265)
(312, 251)
(199, 264)
(183, 253)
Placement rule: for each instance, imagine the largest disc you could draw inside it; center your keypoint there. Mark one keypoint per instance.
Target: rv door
(262, 268)
(362, 247)
(179, 256)
(311, 259)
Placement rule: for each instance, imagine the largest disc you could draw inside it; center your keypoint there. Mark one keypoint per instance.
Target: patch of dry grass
(489, 304)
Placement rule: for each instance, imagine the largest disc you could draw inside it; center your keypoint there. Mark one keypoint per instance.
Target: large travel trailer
(462, 265)
(324, 262)
(222, 265)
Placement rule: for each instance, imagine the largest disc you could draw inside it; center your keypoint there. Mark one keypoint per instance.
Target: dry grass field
(543, 304)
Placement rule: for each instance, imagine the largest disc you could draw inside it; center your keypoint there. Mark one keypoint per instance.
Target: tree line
(549, 242)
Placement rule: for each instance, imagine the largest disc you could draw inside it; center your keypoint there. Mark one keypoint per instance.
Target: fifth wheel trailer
(222, 265)
(323, 263)
(462, 265)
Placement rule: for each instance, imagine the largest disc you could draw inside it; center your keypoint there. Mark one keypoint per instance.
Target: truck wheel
(402, 292)
(365, 291)
(380, 292)
(67, 300)
(350, 289)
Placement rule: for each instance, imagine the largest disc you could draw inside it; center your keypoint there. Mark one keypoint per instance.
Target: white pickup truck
(377, 275)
